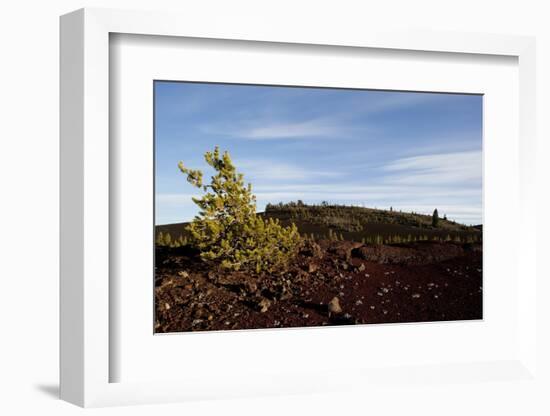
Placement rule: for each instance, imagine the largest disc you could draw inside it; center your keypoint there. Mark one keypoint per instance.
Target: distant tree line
(354, 219)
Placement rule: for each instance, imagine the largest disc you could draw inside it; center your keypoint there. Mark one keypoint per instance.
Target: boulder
(343, 249)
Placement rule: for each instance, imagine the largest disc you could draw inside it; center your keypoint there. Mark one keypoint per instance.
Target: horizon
(348, 206)
(412, 151)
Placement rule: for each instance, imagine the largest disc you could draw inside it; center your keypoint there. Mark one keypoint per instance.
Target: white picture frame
(85, 204)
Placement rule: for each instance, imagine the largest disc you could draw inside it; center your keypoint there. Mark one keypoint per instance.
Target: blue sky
(411, 151)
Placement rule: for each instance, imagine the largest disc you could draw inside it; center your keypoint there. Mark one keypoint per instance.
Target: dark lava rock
(312, 249)
(414, 254)
(312, 267)
(384, 254)
(343, 249)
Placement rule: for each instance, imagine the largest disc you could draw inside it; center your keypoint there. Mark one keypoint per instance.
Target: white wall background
(29, 206)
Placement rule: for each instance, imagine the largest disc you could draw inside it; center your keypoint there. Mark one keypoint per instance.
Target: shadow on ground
(51, 390)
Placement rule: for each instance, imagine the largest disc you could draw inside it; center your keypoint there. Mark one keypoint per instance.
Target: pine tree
(435, 218)
(227, 231)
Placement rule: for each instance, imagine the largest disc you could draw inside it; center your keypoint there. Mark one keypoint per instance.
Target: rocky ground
(329, 283)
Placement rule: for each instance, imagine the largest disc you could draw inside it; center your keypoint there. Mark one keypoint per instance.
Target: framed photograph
(340, 222)
(237, 206)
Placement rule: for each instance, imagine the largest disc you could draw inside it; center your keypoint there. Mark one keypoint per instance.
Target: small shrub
(160, 239)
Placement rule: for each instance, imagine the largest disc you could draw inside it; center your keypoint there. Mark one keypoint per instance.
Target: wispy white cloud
(337, 125)
(424, 198)
(273, 129)
(261, 170)
(310, 128)
(443, 168)
(380, 188)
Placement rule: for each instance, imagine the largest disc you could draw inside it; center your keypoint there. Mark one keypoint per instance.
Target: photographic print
(288, 206)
